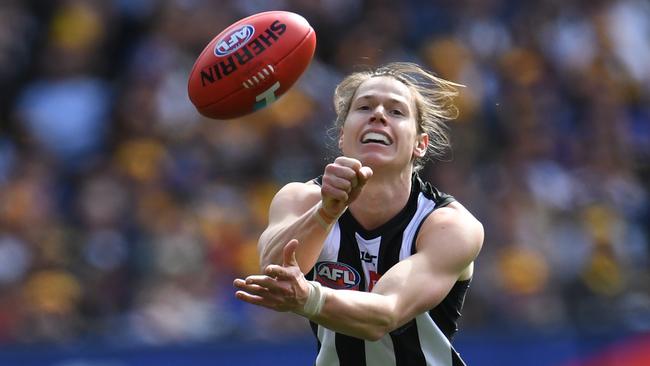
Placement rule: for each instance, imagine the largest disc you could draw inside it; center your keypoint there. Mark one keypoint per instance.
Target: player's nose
(378, 114)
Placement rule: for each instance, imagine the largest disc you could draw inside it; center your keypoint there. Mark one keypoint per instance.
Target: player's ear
(341, 138)
(421, 144)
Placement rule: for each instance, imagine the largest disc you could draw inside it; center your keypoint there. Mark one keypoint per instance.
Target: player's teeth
(374, 136)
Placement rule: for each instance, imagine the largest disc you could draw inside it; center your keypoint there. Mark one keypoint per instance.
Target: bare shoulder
(456, 217)
(298, 191)
(454, 231)
(294, 199)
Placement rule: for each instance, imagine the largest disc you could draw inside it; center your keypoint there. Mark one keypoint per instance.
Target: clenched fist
(343, 180)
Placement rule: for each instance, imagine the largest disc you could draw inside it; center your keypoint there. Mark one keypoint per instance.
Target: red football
(250, 64)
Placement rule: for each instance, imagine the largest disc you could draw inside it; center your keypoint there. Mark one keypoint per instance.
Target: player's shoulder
(293, 200)
(455, 223)
(298, 191)
(307, 187)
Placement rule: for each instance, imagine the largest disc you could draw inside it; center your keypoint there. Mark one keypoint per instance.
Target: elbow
(263, 264)
(266, 251)
(380, 329)
(386, 320)
(269, 250)
(374, 336)
(264, 258)
(376, 333)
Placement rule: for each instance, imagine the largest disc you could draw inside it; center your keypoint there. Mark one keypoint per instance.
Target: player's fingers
(277, 283)
(257, 284)
(254, 289)
(340, 171)
(281, 273)
(338, 182)
(252, 299)
(275, 271)
(364, 174)
(268, 288)
(353, 180)
(257, 279)
(238, 282)
(262, 301)
(260, 285)
(289, 254)
(352, 163)
(336, 194)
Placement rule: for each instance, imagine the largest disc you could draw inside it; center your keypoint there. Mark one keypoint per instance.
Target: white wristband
(315, 300)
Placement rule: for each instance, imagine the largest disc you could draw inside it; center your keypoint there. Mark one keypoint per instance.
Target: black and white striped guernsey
(355, 258)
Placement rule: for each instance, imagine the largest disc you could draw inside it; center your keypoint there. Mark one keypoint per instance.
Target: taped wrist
(315, 300)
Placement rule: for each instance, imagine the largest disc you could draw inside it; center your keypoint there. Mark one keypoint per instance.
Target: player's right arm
(306, 211)
(291, 215)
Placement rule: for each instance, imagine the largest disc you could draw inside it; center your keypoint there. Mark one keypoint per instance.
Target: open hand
(280, 288)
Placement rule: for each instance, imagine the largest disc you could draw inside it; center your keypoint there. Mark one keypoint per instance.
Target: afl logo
(233, 40)
(337, 275)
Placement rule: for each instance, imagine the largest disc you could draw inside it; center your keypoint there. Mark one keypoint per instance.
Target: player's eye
(398, 112)
(363, 107)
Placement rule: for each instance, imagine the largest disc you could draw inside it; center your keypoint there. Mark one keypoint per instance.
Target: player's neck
(383, 197)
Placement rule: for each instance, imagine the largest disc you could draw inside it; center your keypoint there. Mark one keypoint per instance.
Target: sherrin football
(251, 64)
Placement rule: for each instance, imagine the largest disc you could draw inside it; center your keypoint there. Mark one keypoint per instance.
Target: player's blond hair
(433, 101)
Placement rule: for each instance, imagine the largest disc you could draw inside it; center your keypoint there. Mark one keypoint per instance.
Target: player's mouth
(374, 137)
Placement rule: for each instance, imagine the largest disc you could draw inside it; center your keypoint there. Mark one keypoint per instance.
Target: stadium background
(124, 215)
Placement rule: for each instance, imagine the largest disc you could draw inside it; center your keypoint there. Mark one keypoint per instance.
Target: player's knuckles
(294, 273)
(341, 160)
(342, 184)
(272, 270)
(338, 170)
(285, 273)
(261, 280)
(284, 292)
(255, 278)
(331, 169)
(282, 277)
(364, 174)
(345, 172)
(352, 163)
(328, 180)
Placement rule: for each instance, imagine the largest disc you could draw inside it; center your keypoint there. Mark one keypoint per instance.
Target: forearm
(310, 229)
(359, 314)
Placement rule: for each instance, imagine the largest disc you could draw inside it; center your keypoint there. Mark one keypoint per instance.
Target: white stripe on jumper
(381, 352)
(434, 344)
(425, 206)
(327, 355)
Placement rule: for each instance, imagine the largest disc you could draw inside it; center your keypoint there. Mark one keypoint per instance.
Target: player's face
(381, 127)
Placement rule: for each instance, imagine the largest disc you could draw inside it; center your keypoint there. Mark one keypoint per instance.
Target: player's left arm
(448, 242)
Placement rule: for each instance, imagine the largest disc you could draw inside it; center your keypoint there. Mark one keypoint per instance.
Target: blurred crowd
(125, 215)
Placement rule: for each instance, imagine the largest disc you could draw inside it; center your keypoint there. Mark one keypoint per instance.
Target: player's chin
(376, 160)
(384, 161)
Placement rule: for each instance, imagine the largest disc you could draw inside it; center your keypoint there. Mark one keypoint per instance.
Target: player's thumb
(289, 254)
(365, 173)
